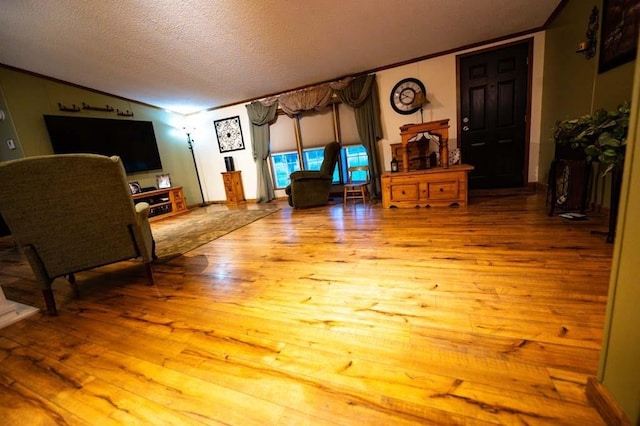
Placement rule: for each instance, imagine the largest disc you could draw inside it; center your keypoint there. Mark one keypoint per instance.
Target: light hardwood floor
(488, 314)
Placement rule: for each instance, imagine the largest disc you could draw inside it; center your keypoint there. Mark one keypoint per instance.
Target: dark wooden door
(492, 121)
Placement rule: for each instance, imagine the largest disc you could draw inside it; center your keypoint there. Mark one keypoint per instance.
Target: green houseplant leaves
(602, 135)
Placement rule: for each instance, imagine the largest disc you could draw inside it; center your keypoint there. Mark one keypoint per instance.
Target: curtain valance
(312, 98)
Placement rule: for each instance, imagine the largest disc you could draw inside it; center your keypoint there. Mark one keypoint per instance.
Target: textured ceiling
(191, 55)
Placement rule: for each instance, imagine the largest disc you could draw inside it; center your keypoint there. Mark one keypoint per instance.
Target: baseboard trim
(537, 186)
(501, 192)
(605, 404)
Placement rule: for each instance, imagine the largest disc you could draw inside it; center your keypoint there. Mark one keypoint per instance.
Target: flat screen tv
(133, 141)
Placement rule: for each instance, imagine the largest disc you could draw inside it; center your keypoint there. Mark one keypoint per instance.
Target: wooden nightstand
(233, 187)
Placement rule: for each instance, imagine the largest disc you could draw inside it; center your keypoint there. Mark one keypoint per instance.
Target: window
(313, 130)
(356, 155)
(313, 158)
(283, 164)
(313, 161)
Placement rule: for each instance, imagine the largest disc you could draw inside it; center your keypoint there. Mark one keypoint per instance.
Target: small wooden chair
(356, 190)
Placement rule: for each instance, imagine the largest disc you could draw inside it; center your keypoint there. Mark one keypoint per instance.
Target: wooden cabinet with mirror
(422, 180)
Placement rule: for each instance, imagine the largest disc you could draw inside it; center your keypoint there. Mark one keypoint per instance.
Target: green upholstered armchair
(73, 212)
(311, 188)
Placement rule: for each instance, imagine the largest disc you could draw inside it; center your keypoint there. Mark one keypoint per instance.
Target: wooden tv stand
(163, 202)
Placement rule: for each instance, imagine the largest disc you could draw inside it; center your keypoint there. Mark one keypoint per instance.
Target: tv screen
(132, 140)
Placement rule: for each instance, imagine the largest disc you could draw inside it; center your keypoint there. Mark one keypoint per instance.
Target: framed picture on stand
(135, 187)
(164, 181)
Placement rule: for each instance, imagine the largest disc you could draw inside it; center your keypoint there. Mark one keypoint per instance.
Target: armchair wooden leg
(149, 273)
(74, 286)
(50, 302)
(153, 250)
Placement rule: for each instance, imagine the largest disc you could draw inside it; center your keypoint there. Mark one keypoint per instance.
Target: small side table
(233, 187)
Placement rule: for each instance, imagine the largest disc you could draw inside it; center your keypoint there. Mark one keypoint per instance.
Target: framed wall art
(229, 134)
(619, 38)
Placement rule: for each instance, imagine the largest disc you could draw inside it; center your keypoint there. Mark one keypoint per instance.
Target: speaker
(228, 162)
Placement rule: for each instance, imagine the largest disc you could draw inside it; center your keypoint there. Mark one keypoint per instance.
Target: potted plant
(602, 136)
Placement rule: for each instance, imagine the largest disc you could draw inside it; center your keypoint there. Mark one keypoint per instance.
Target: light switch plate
(11, 144)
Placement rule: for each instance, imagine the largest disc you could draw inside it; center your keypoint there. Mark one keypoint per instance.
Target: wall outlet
(11, 144)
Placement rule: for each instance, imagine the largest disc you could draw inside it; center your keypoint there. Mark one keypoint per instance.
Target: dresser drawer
(436, 187)
(443, 190)
(177, 195)
(405, 192)
(231, 197)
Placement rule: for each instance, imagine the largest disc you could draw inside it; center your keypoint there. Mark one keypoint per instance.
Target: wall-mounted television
(133, 141)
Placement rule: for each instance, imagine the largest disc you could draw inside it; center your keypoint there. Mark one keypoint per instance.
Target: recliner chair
(311, 188)
(73, 212)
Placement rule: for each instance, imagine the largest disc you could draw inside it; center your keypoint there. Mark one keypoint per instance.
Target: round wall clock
(408, 95)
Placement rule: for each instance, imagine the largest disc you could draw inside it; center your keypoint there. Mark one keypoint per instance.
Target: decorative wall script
(229, 134)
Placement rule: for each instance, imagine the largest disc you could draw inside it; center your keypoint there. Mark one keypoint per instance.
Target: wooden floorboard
(487, 314)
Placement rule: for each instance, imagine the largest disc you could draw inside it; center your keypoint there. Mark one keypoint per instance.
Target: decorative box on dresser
(233, 187)
(443, 185)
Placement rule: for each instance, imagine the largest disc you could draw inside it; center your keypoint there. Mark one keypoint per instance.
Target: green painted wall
(619, 371)
(613, 87)
(572, 87)
(572, 84)
(568, 77)
(619, 368)
(27, 98)
(7, 133)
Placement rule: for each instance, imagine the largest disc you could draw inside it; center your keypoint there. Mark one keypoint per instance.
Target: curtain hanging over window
(361, 94)
(260, 116)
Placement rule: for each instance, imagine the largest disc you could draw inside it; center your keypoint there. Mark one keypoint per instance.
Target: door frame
(527, 143)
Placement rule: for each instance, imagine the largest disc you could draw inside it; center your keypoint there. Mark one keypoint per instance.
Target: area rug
(189, 231)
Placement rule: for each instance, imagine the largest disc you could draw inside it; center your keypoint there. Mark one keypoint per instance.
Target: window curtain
(362, 95)
(260, 116)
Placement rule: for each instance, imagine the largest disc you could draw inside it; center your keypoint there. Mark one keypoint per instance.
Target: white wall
(209, 159)
(440, 79)
(438, 75)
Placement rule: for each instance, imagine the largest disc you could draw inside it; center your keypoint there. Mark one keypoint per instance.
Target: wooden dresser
(426, 188)
(233, 187)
